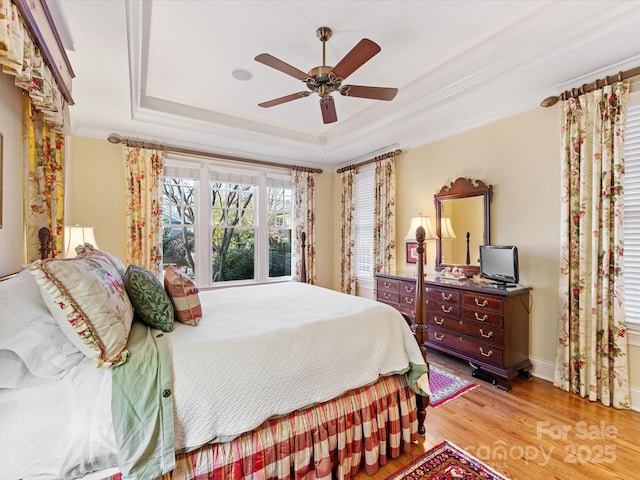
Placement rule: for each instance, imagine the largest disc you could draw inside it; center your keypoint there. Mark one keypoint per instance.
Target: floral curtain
(143, 170)
(44, 184)
(20, 57)
(348, 279)
(43, 113)
(591, 355)
(384, 232)
(304, 220)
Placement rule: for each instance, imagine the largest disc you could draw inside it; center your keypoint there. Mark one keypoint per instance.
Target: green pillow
(149, 298)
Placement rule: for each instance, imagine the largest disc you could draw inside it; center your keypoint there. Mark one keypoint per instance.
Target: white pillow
(87, 298)
(29, 332)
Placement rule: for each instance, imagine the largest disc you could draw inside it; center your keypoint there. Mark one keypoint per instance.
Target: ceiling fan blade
(285, 99)
(328, 108)
(377, 93)
(358, 56)
(273, 62)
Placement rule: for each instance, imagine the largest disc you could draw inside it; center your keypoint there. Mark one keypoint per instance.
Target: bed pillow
(184, 296)
(29, 334)
(87, 298)
(148, 297)
(115, 261)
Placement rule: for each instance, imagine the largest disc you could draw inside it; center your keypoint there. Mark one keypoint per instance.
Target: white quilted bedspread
(267, 350)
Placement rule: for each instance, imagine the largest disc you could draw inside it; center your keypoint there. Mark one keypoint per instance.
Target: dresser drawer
(449, 309)
(407, 300)
(484, 333)
(442, 321)
(483, 351)
(388, 297)
(407, 288)
(473, 300)
(443, 296)
(408, 311)
(480, 316)
(387, 285)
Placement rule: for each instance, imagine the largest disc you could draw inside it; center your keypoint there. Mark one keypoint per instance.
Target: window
(363, 202)
(226, 224)
(632, 216)
(178, 218)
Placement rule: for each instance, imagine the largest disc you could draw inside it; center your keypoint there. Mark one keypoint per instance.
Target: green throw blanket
(142, 406)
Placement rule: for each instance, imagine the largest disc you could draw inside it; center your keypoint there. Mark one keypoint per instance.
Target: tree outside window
(234, 213)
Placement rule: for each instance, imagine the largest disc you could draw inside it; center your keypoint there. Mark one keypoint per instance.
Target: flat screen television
(500, 264)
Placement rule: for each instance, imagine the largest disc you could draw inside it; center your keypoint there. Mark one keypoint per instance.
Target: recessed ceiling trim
(209, 119)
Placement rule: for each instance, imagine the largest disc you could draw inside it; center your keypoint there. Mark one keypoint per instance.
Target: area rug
(447, 461)
(446, 386)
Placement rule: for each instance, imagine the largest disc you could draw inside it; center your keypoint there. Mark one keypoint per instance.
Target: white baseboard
(545, 370)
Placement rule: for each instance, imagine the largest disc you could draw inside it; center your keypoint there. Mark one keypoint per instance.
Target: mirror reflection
(462, 230)
(462, 221)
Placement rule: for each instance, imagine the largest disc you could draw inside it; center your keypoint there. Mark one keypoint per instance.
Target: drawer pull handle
(409, 300)
(439, 322)
(446, 310)
(488, 354)
(409, 289)
(483, 318)
(387, 284)
(439, 338)
(387, 295)
(484, 303)
(446, 297)
(486, 335)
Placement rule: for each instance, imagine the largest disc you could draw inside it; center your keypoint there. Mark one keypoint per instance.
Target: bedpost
(421, 328)
(44, 237)
(303, 268)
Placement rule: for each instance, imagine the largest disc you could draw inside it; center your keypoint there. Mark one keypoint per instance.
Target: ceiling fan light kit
(325, 79)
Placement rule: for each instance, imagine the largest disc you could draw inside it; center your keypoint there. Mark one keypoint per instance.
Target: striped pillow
(184, 296)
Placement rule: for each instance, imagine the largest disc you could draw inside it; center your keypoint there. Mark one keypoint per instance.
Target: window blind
(363, 202)
(632, 215)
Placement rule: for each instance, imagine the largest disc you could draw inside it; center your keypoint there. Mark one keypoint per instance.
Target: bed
(283, 380)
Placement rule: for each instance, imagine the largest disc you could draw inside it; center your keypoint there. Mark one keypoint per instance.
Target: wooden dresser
(488, 327)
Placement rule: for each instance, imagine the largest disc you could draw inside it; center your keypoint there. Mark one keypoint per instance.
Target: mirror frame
(463, 188)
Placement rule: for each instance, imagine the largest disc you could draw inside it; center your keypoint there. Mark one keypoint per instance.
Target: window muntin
(233, 231)
(178, 222)
(279, 223)
(246, 218)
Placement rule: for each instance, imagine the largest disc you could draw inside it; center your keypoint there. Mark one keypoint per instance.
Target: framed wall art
(412, 252)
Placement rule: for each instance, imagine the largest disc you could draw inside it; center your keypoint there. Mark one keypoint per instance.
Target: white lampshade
(424, 222)
(76, 235)
(446, 230)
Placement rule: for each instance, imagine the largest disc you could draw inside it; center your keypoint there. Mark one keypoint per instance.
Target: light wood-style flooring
(536, 431)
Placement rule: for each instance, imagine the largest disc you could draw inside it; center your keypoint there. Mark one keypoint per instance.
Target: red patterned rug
(447, 461)
(446, 386)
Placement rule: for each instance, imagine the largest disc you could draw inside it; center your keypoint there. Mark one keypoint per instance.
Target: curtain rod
(130, 142)
(589, 87)
(371, 160)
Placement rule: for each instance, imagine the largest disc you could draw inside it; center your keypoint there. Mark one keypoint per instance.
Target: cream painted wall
(11, 233)
(96, 191)
(519, 158)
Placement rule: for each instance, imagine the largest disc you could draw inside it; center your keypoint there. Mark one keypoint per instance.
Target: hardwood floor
(536, 431)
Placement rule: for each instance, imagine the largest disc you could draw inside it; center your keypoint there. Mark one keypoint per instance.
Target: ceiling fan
(324, 79)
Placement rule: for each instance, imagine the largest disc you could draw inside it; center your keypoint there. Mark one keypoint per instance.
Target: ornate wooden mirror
(462, 224)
